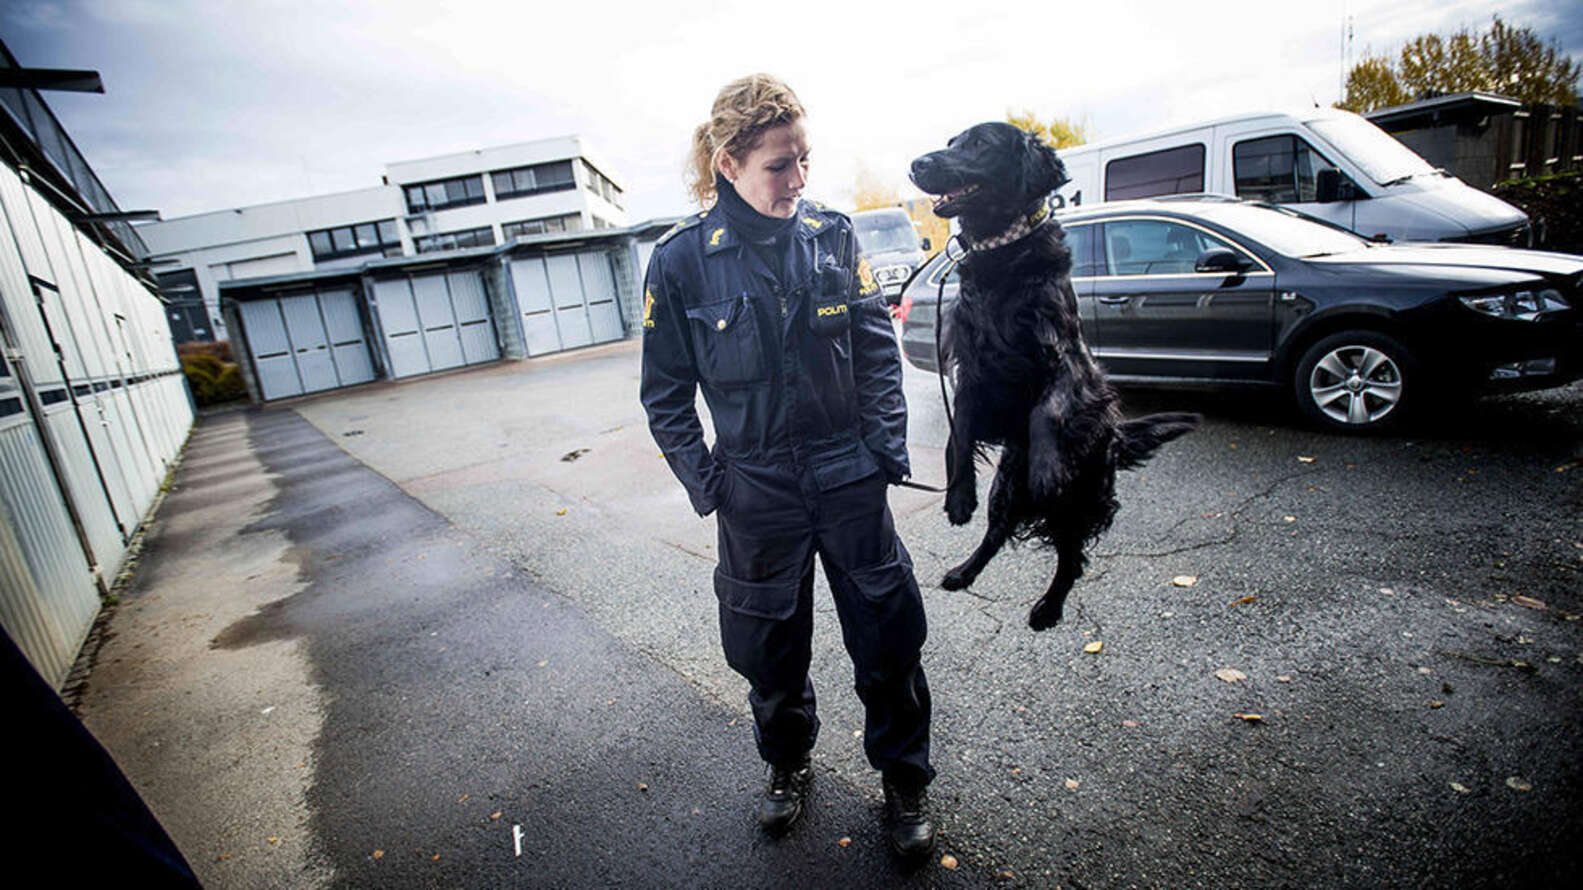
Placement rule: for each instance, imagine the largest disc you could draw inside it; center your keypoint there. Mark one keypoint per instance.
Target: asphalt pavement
(374, 632)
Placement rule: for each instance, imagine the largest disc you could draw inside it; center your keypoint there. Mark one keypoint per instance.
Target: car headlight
(1523, 305)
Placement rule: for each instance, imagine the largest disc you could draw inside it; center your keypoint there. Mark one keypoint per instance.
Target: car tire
(1356, 382)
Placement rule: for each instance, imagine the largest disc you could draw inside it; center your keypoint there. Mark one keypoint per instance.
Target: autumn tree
(1508, 60)
(870, 192)
(1060, 132)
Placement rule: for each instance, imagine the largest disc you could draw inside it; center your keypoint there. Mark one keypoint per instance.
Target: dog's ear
(1042, 169)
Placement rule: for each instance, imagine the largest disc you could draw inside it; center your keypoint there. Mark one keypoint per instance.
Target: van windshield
(1381, 157)
(885, 233)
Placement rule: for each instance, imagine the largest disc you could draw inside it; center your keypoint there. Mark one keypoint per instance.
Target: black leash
(939, 360)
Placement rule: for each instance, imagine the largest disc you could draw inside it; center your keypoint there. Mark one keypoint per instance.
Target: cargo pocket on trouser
(888, 625)
(760, 632)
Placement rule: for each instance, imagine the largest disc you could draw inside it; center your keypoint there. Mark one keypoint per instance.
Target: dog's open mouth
(948, 199)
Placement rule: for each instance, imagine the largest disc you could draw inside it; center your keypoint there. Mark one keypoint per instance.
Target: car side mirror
(1331, 185)
(1221, 260)
(926, 245)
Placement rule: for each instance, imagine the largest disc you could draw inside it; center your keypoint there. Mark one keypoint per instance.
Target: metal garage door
(436, 321)
(567, 300)
(306, 342)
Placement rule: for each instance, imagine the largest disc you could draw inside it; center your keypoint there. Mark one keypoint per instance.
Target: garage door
(306, 342)
(436, 321)
(567, 300)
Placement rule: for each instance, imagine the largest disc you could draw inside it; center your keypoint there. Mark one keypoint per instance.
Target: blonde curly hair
(743, 110)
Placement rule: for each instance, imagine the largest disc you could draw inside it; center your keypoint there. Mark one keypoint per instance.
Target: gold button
(720, 325)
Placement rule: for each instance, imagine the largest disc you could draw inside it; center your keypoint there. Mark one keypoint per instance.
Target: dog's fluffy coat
(1024, 378)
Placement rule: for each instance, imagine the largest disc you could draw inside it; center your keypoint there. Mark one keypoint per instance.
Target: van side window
(1085, 262)
(1278, 169)
(1155, 247)
(1174, 171)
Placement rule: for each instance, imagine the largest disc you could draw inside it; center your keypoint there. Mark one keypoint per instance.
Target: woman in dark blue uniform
(764, 302)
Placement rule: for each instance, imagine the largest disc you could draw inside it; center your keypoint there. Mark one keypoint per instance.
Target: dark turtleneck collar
(750, 225)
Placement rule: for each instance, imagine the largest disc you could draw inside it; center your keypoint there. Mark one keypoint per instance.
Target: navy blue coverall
(798, 364)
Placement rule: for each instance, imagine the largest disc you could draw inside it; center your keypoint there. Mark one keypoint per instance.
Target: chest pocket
(726, 342)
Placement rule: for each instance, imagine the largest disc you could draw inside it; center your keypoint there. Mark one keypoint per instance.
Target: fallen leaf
(844, 842)
(1283, 679)
(464, 798)
(542, 664)
(1459, 788)
(1184, 580)
(1243, 601)
(1093, 647)
(561, 512)
(642, 787)
(494, 816)
(222, 857)
(274, 840)
(1516, 783)
(948, 861)
(1436, 703)
(1231, 675)
(435, 858)
(1250, 718)
(1016, 770)
(1528, 601)
(1215, 515)
(1288, 518)
(1072, 784)
(1130, 724)
(1305, 459)
(379, 854)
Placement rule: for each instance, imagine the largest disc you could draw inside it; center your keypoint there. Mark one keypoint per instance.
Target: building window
(1174, 171)
(601, 185)
(570, 222)
(483, 236)
(360, 238)
(1278, 169)
(518, 181)
(443, 193)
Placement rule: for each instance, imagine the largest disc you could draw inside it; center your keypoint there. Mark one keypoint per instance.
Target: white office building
(453, 202)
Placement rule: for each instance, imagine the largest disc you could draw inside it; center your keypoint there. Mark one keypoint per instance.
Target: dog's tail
(1137, 440)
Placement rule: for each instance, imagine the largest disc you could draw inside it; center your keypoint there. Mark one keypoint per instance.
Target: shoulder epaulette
(682, 226)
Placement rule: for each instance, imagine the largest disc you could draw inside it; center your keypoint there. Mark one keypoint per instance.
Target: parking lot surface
(1298, 659)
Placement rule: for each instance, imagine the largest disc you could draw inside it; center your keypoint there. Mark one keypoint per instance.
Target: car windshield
(883, 234)
(1283, 231)
(1381, 157)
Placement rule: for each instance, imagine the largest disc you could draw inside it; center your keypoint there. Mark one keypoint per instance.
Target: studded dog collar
(1018, 229)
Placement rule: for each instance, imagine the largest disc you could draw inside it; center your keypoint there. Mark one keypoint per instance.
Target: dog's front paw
(956, 579)
(959, 505)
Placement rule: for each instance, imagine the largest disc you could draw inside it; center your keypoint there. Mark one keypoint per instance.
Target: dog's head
(989, 174)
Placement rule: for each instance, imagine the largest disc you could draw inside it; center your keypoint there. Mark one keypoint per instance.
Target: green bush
(1554, 203)
(212, 380)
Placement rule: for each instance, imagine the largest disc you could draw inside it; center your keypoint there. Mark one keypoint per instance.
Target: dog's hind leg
(1004, 496)
(1069, 550)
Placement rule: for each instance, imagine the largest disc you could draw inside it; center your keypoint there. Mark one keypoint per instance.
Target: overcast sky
(218, 104)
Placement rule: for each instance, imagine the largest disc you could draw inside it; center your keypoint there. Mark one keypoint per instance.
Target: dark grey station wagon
(1219, 292)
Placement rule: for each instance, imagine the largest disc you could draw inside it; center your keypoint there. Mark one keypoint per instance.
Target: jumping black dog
(1024, 378)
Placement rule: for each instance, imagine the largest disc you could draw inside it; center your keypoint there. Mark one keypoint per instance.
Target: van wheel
(1356, 382)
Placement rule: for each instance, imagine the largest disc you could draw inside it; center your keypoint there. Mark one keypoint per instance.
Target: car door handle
(1112, 301)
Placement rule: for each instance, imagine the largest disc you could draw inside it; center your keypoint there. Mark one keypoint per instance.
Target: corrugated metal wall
(93, 411)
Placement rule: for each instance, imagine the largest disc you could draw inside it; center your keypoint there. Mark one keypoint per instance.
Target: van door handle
(1114, 300)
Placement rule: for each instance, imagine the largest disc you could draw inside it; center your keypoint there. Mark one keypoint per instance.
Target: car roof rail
(1198, 196)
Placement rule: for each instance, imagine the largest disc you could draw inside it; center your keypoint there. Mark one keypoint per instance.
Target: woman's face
(773, 174)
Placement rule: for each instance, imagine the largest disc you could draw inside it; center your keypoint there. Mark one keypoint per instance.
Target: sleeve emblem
(648, 308)
(867, 286)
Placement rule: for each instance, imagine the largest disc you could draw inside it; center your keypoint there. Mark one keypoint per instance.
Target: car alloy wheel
(1354, 382)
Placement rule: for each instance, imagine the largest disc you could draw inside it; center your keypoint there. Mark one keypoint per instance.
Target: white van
(1324, 162)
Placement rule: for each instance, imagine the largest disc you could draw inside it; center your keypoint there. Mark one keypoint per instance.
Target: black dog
(1024, 378)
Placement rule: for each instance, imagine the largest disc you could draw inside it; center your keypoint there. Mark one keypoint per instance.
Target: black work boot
(907, 818)
(783, 798)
